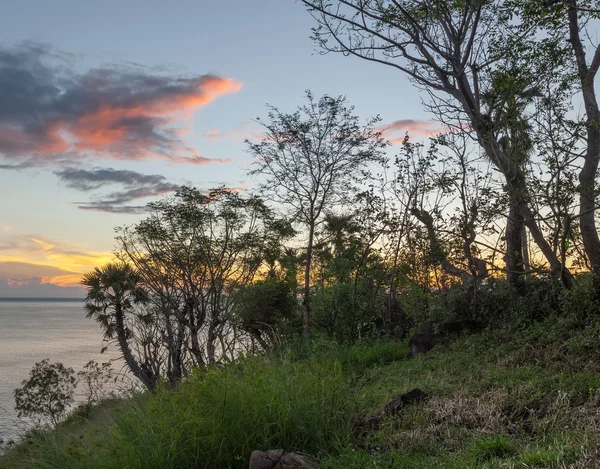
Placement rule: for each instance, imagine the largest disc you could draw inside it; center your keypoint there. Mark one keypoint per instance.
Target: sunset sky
(105, 106)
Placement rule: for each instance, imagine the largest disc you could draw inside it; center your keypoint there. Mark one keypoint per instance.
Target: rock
(415, 396)
(279, 459)
(423, 341)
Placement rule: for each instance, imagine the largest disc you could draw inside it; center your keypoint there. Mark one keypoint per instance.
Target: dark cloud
(123, 111)
(107, 207)
(86, 180)
(133, 186)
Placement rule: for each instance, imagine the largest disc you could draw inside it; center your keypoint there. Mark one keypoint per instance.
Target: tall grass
(214, 420)
(217, 420)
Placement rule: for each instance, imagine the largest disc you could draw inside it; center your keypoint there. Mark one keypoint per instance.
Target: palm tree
(112, 291)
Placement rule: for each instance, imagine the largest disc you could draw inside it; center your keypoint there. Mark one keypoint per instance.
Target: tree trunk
(515, 179)
(516, 184)
(143, 375)
(437, 251)
(306, 299)
(525, 248)
(177, 362)
(514, 252)
(587, 176)
(210, 342)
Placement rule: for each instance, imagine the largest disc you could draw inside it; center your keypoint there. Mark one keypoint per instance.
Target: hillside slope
(528, 398)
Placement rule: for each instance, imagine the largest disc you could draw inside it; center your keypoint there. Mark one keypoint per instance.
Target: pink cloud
(396, 131)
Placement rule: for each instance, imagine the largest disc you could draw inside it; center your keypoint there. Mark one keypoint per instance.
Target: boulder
(423, 341)
(415, 396)
(279, 459)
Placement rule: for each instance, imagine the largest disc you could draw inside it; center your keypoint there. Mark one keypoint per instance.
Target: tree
(453, 51)
(308, 161)
(587, 177)
(560, 19)
(47, 393)
(112, 293)
(195, 254)
(349, 272)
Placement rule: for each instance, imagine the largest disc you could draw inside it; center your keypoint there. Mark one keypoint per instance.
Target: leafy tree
(308, 161)
(196, 253)
(48, 392)
(573, 20)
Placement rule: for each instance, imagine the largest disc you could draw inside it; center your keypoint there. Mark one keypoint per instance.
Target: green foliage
(581, 302)
(218, 419)
(268, 310)
(360, 356)
(48, 392)
(539, 457)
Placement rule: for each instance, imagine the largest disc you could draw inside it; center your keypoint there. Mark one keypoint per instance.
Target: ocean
(34, 329)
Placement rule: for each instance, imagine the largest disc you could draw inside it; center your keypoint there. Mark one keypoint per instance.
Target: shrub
(96, 378)
(48, 392)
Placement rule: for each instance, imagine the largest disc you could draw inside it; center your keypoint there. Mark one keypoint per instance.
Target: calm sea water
(31, 330)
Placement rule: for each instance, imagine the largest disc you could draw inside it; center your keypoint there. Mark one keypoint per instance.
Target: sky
(106, 106)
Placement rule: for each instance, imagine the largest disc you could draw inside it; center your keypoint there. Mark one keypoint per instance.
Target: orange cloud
(26, 257)
(135, 131)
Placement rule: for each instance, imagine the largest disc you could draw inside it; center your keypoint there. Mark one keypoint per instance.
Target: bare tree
(453, 51)
(308, 161)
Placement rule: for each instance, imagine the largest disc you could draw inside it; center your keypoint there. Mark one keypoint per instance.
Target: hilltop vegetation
(281, 318)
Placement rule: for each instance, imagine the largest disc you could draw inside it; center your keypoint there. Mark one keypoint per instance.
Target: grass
(501, 399)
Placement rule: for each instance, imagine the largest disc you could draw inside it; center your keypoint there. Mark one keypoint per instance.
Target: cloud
(37, 287)
(396, 131)
(108, 207)
(133, 185)
(53, 112)
(27, 280)
(24, 256)
(245, 130)
(15, 270)
(86, 180)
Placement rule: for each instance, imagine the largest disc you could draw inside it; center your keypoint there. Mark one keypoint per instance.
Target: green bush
(268, 310)
(47, 394)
